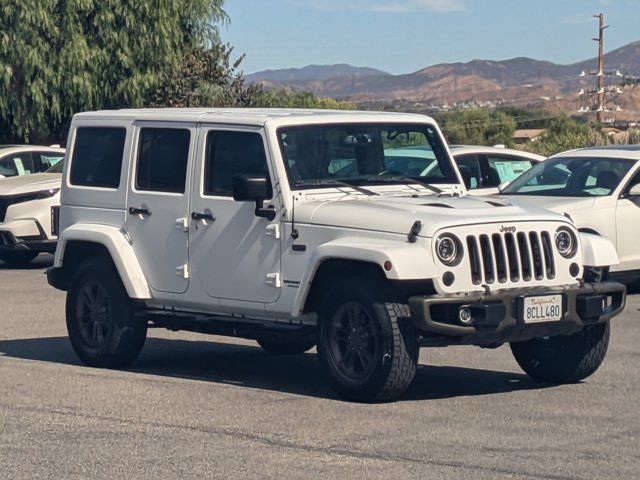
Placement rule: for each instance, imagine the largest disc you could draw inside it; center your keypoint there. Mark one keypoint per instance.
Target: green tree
(478, 127)
(564, 133)
(58, 57)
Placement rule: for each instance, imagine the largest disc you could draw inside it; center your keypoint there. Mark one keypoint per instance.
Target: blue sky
(402, 36)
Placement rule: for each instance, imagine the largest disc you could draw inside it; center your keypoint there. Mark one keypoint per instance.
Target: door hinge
(183, 271)
(274, 279)
(182, 224)
(273, 230)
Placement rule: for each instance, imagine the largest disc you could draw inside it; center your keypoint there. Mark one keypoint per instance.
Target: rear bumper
(496, 317)
(36, 243)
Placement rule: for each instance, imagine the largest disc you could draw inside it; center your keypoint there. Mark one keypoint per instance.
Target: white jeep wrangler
(295, 229)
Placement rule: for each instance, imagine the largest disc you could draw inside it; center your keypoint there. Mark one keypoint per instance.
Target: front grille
(514, 257)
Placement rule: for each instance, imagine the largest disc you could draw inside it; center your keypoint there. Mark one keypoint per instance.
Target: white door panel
(233, 256)
(628, 236)
(236, 257)
(157, 221)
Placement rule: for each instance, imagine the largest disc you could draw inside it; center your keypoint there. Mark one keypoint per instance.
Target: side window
(231, 153)
(505, 169)
(472, 163)
(48, 160)
(16, 164)
(163, 154)
(97, 156)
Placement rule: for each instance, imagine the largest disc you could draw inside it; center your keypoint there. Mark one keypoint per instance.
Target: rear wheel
(286, 347)
(18, 258)
(100, 320)
(564, 358)
(367, 346)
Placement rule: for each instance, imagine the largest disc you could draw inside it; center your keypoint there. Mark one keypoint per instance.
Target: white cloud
(384, 6)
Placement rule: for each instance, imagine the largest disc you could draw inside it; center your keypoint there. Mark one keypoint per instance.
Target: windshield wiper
(330, 181)
(410, 180)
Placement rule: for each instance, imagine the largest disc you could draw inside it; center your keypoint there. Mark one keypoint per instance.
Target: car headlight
(566, 242)
(42, 194)
(448, 249)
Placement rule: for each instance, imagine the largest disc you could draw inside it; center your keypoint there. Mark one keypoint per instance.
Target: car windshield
(364, 154)
(572, 177)
(57, 168)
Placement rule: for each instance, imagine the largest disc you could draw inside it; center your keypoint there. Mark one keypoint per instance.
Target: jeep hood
(35, 182)
(398, 214)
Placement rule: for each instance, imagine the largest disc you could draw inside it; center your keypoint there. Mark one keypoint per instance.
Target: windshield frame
(523, 179)
(450, 178)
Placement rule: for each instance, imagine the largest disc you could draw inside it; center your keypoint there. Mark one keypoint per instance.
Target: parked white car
(599, 189)
(290, 227)
(16, 160)
(484, 169)
(26, 207)
(490, 167)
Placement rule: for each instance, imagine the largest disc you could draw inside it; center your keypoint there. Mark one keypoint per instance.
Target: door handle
(203, 216)
(139, 211)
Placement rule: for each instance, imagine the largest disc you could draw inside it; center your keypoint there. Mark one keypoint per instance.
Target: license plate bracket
(541, 308)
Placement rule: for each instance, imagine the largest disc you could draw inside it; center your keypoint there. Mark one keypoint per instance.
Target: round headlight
(448, 249)
(565, 243)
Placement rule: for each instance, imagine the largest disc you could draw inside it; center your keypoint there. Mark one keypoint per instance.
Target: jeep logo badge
(506, 229)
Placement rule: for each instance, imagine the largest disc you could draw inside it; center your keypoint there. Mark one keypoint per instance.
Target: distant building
(523, 137)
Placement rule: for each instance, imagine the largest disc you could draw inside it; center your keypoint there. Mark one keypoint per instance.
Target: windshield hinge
(415, 231)
(273, 230)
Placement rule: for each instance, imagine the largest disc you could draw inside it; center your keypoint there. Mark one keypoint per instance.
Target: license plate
(544, 308)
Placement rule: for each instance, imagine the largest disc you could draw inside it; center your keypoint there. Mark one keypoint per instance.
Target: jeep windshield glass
(571, 177)
(365, 154)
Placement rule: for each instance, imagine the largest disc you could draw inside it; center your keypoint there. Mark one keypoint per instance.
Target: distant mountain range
(516, 81)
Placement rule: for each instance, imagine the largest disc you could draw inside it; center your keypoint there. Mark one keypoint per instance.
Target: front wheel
(367, 346)
(102, 328)
(564, 358)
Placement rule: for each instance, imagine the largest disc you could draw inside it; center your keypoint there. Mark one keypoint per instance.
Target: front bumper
(495, 317)
(36, 243)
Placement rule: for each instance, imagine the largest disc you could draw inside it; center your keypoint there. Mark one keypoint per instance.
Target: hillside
(515, 81)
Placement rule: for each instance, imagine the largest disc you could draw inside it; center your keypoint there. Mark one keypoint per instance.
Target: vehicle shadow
(248, 366)
(44, 260)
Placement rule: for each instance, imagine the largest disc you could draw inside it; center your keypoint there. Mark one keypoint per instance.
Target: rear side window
(16, 164)
(163, 154)
(231, 153)
(97, 156)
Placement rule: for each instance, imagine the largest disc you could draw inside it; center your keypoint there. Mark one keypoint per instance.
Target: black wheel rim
(93, 311)
(352, 340)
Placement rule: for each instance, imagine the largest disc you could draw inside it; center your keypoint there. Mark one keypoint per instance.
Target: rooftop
(253, 116)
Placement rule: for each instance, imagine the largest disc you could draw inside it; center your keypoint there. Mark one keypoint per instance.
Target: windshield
(364, 154)
(571, 177)
(57, 168)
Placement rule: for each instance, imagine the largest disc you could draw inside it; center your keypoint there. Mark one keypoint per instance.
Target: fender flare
(597, 251)
(117, 244)
(408, 262)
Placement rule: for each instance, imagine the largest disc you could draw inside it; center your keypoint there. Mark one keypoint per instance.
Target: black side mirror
(254, 188)
(465, 172)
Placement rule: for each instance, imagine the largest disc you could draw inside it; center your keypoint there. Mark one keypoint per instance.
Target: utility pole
(601, 93)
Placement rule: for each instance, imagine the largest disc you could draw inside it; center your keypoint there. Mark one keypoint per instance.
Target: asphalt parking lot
(197, 406)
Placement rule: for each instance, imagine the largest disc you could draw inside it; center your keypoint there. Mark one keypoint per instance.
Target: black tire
(564, 358)
(17, 258)
(287, 347)
(100, 320)
(359, 327)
